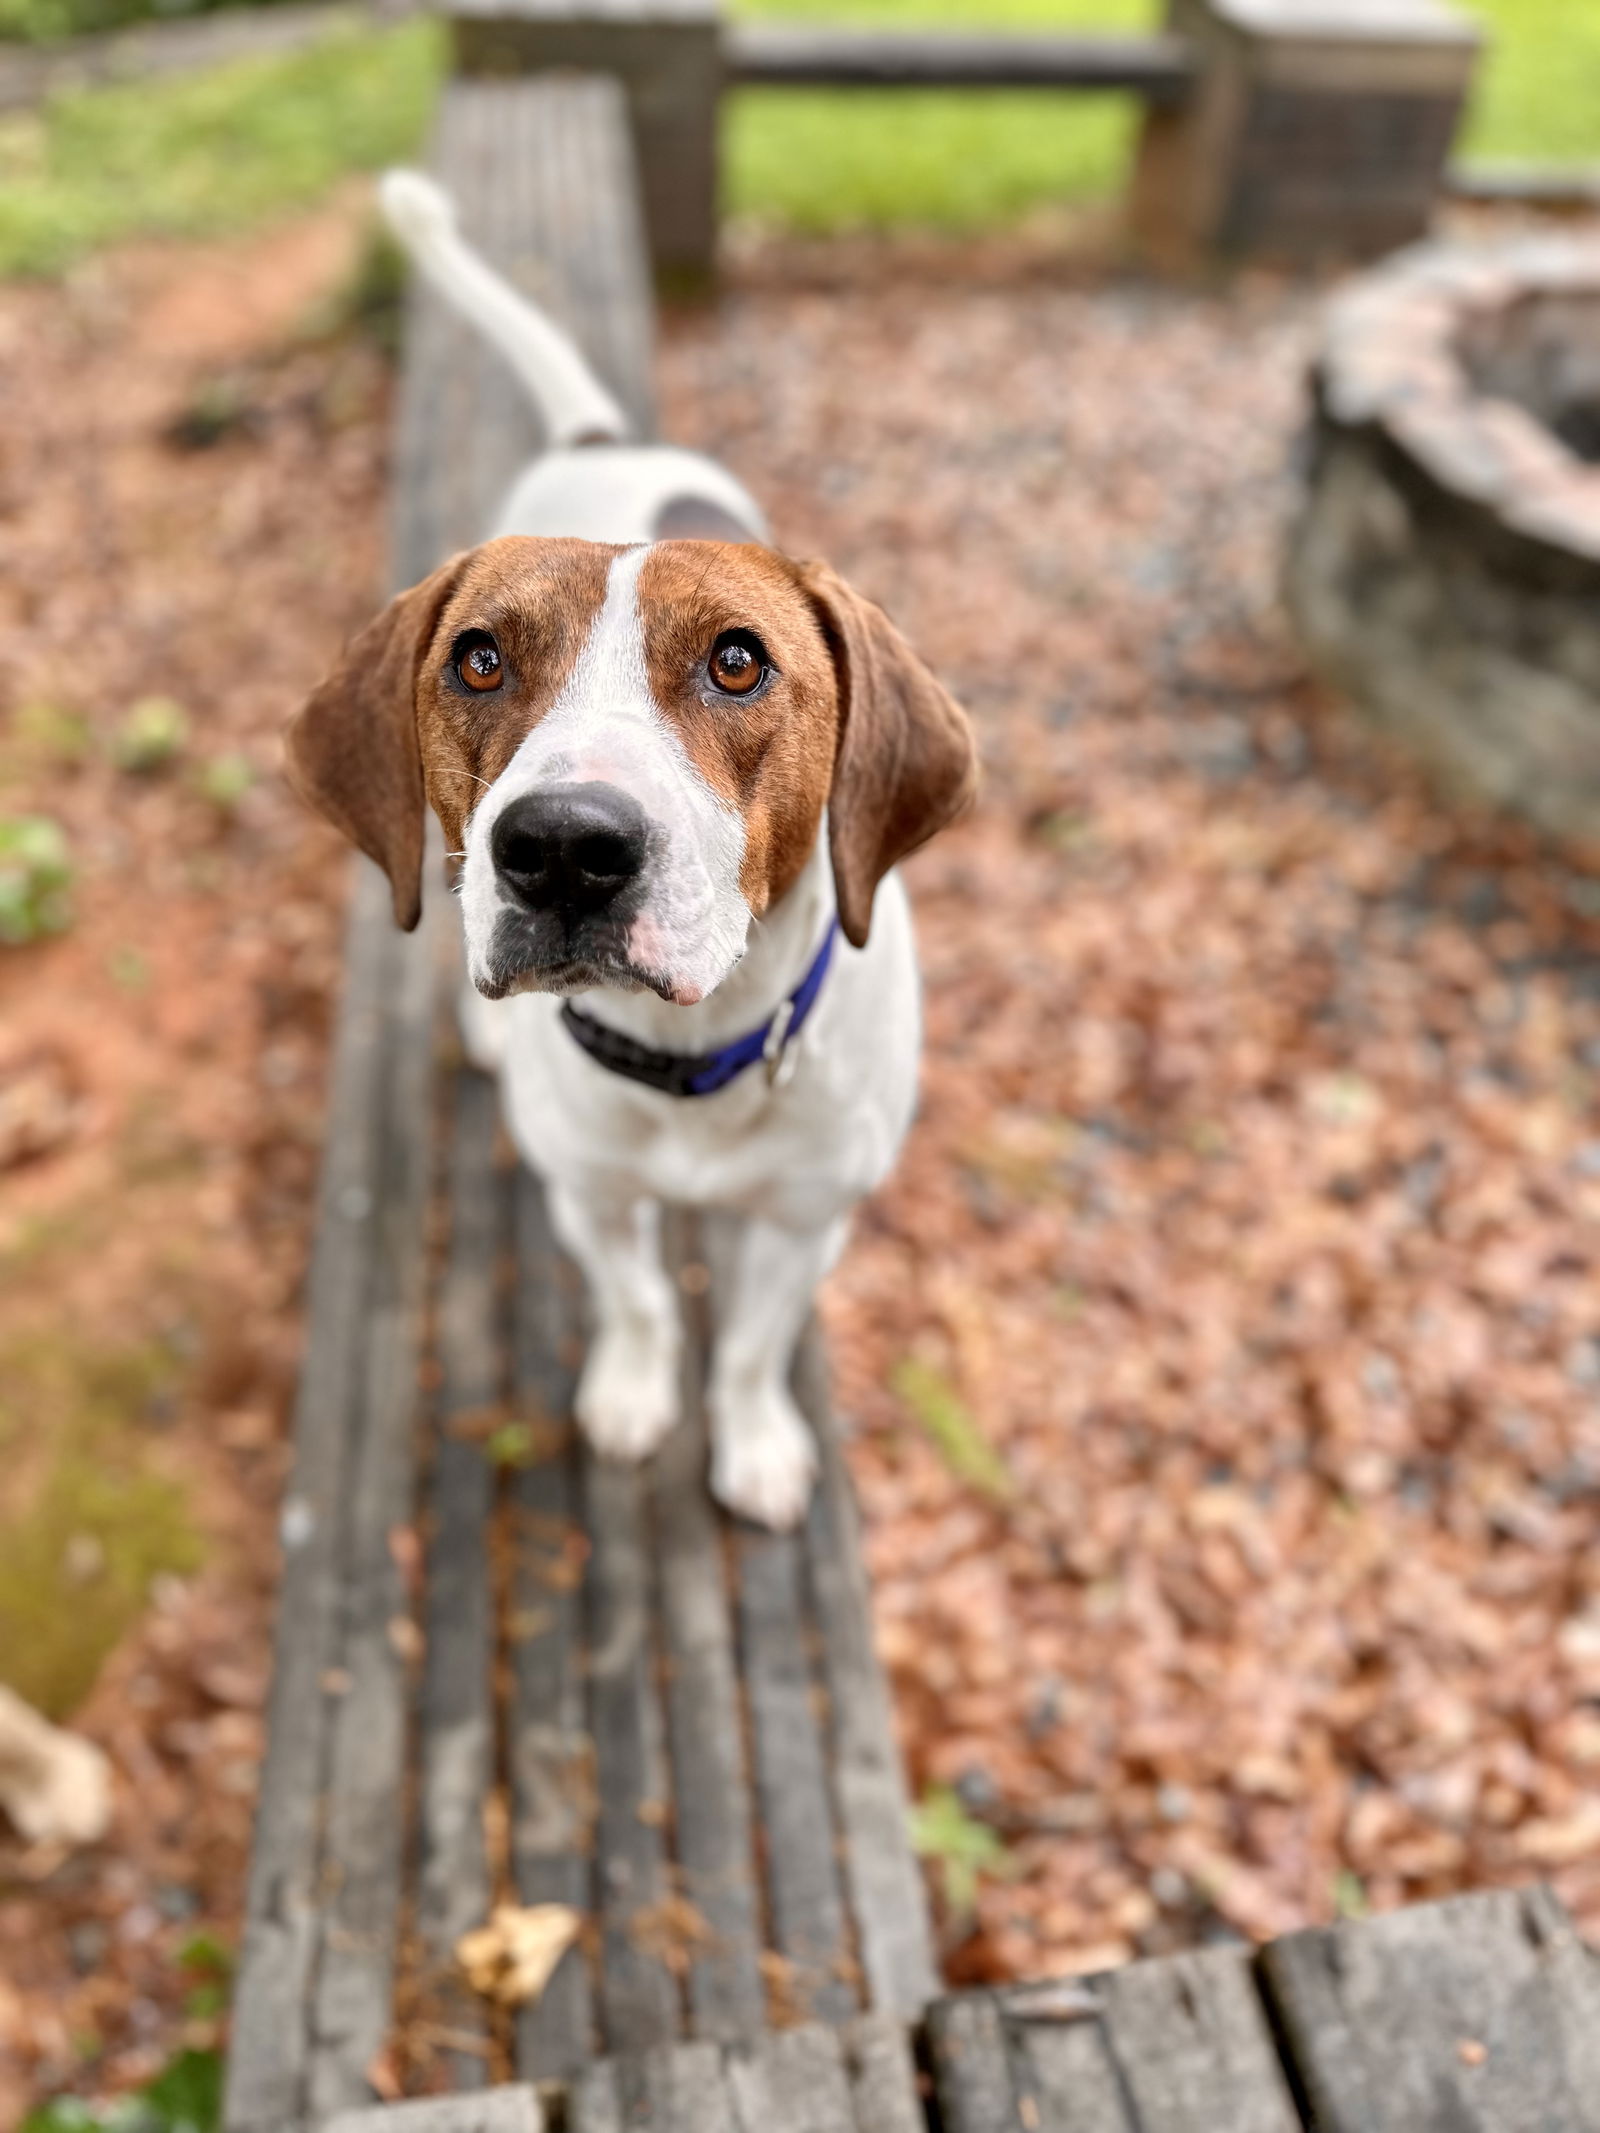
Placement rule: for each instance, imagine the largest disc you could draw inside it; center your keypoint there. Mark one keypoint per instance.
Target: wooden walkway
(507, 1673)
(1481, 2015)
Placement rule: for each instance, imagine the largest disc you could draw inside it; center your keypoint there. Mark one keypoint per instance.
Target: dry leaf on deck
(514, 1956)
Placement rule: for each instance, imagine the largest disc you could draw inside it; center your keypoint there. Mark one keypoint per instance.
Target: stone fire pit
(1445, 571)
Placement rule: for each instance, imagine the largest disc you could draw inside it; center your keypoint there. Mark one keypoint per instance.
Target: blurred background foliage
(220, 150)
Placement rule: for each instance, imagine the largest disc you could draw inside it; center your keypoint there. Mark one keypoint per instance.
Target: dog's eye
(478, 664)
(738, 663)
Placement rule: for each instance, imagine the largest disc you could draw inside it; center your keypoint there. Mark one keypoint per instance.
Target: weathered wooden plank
(786, 2081)
(806, 1913)
(804, 1894)
(267, 2060)
(710, 1783)
(501, 2110)
(364, 1799)
(677, 2088)
(1479, 2015)
(1161, 2047)
(887, 1893)
(883, 2081)
(819, 55)
(639, 1998)
(551, 1753)
(1557, 188)
(463, 425)
(792, 2081)
(457, 1717)
(594, 2103)
(545, 182)
(542, 175)
(972, 2067)
(665, 54)
(1185, 2041)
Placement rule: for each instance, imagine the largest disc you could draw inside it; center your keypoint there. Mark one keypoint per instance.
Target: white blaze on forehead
(606, 727)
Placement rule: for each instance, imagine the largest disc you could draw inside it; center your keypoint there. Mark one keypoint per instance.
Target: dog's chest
(800, 1154)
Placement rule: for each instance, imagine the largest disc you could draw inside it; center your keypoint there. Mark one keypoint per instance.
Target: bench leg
(763, 1457)
(628, 1396)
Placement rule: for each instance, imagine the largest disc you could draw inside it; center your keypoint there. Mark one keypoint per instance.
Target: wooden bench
(580, 1684)
(1272, 128)
(508, 1673)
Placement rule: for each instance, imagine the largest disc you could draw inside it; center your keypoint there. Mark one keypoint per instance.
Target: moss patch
(94, 1522)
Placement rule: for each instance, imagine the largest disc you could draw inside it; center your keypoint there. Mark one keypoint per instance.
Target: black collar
(703, 1073)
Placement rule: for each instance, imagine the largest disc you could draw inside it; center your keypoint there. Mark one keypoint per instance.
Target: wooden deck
(1480, 2015)
(508, 1673)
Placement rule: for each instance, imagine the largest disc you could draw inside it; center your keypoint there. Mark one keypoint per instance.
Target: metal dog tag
(775, 1051)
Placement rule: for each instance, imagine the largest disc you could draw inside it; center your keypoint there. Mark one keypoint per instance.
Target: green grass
(213, 152)
(259, 138)
(1538, 97)
(820, 160)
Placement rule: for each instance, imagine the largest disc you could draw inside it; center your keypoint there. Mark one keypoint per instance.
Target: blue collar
(703, 1073)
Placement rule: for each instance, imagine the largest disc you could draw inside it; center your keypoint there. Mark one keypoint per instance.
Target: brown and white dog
(674, 770)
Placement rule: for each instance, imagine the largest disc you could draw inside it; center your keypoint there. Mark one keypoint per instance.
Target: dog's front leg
(628, 1395)
(763, 1458)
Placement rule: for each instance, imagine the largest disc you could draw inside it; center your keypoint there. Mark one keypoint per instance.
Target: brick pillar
(668, 56)
(1316, 130)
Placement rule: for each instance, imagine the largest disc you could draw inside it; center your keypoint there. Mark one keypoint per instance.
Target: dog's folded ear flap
(351, 749)
(905, 764)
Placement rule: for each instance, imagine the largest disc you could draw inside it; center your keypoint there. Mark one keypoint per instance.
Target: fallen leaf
(513, 1957)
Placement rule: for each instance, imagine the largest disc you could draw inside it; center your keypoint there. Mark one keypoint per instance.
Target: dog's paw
(763, 1458)
(628, 1394)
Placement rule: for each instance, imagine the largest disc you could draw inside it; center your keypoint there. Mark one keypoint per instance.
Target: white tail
(575, 406)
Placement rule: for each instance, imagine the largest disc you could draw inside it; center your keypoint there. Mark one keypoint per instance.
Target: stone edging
(1392, 358)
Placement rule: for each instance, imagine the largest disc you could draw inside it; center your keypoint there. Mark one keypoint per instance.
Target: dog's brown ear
(905, 764)
(351, 748)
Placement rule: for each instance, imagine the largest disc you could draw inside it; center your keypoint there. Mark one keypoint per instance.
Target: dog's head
(632, 749)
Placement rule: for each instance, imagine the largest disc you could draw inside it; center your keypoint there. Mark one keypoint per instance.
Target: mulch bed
(191, 500)
(1243, 1256)
(1250, 1217)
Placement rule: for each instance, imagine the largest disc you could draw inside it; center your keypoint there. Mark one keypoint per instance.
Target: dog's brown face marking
(766, 749)
(728, 693)
(534, 603)
(509, 634)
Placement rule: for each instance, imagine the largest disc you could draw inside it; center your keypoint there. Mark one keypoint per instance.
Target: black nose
(571, 849)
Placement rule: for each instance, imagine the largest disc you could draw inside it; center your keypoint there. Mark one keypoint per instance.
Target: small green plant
(207, 1964)
(962, 1848)
(512, 1444)
(185, 2097)
(965, 1450)
(151, 737)
(50, 734)
(216, 408)
(128, 968)
(1349, 1895)
(35, 877)
(225, 780)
